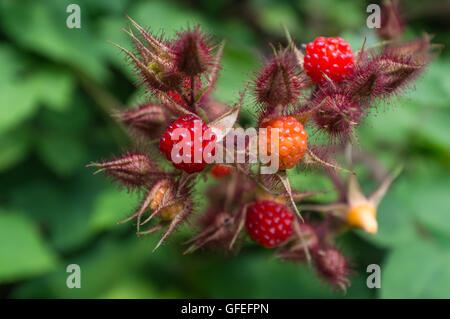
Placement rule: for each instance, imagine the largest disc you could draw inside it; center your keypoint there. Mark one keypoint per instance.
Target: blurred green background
(58, 85)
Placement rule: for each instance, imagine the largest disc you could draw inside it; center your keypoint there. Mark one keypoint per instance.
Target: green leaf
(53, 87)
(304, 181)
(106, 265)
(395, 219)
(417, 270)
(348, 14)
(73, 120)
(21, 94)
(237, 64)
(14, 146)
(433, 133)
(19, 102)
(416, 200)
(427, 198)
(61, 152)
(112, 206)
(433, 87)
(274, 15)
(23, 253)
(59, 209)
(105, 6)
(165, 16)
(131, 288)
(75, 212)
(49, 196)
(424, 107)
(392, 123)
(42, 28)
(12, 63)
(264, 277)
(110, 29)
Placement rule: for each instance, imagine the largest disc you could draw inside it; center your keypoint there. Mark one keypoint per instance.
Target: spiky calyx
(170, 200)
(364, 84)
(154, 60)
(278, 82)
(419, 50)
(333, 267)
(305, 236)
(338, 113)
(171, 215)
(389, 72)
(131, 170)
(392, 23)
(169, 212)
(328, 57)
(397, 71)
(216, 231)
(147, 119)
(193, 52)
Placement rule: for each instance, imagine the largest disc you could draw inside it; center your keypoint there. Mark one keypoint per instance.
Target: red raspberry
(269, 223)
(220, 171)
(292, 140)
(332, 56)
(168, 141)
(176, 97)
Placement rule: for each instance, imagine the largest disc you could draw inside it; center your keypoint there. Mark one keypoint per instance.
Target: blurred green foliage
(57, 87)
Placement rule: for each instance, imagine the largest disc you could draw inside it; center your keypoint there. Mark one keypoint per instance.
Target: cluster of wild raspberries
(328, 88)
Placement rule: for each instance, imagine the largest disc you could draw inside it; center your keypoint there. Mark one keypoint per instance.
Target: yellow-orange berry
(363, 216)
(262, 194)
(168, 213)
(156, 201)
(291, 143)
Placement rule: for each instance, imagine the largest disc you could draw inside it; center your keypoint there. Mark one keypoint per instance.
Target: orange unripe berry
(291, 143)
(363, 216)
(156, 201)
(167, 213)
